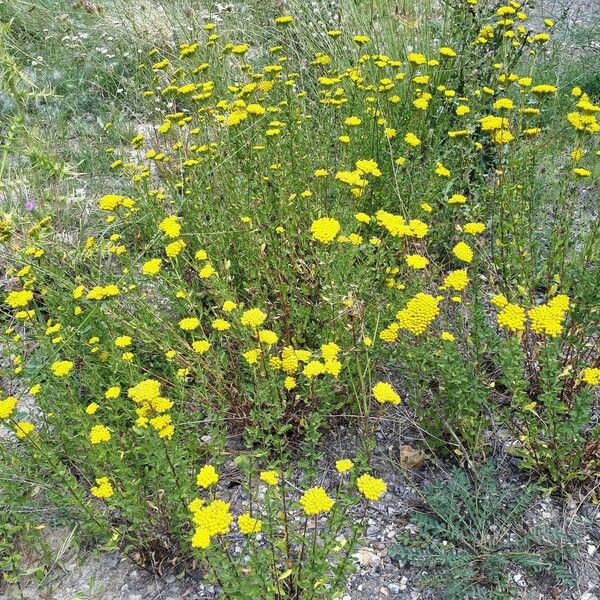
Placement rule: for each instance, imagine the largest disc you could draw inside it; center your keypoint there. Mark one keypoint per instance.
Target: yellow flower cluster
(396, 226)
(343, 465)
(207, 477)
(19, 299)
(7, 407)
(253, 317)
(325, 229)
(511, 317)
(456, 280)
(548, 318)
(99, 434)
(248, 524)
(151, 406)
(419, 312)
(269, 477)
(371, 487)
(463, 252)
(103, 488)
(315, 501)
(62, 368)
(384, 392)
(591, 375)
(210, 520)
(23, 429)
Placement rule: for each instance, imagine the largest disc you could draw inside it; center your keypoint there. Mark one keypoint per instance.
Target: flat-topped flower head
(99, 434)
(591, 376)
(384, 393)
(269, 477)
(463, 252)
(62, 368)
(253, 317)
(248, 524)
(207, 477)
(103, 488)
(19, 299)
(315, 501)
(512, 317)
(325, 229)
(343, 465)
(371, 487)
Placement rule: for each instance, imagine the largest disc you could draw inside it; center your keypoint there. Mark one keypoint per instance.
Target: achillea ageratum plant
(287, 232)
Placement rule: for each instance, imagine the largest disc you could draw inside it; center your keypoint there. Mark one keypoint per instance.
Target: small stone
(394, 588)
(591, 549)
(411, 458)
(404, 583)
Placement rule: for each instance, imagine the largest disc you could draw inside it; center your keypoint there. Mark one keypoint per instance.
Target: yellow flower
(266, 336)
(7, 407)
(352, 121)
(62, 368)
(201, 346)
(343, 465)
(201, 538)
(228, 306)
(253, 317)
(463, 252)
(92, 408)
(99, 434)
(19, 299)
(411, 139)
(214, 518)
(170, 226)
(269, 477)
(152, 266)
(103, 488)
(325, 230)
(582, 172)
(123, 341)
(445, 51)
(112, 392)
(416, 261)
(591, 375)
(383, 392)
(511, 317)
(189, 323)
(474, 228)
(456, 280)
(313, 369)
(419, 312)
(23, 429)
(316, 501)
(207, 271)
(252, 356)
(371, 487)
(174, 249)
(447, 336)
(221, 325)
(248, 524)
(207, 477)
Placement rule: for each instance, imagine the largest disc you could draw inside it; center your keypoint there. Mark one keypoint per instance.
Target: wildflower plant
(288, 229)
